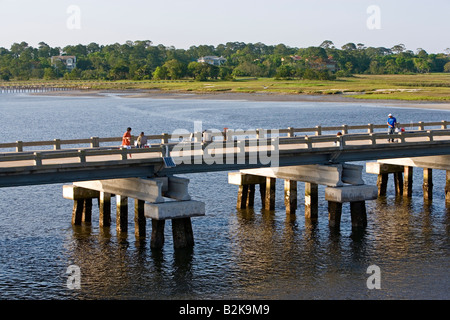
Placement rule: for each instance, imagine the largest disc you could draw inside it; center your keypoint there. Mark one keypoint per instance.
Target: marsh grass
(427, 87)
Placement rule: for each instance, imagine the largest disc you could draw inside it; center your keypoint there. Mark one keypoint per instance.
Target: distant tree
(119, 72)
(5, 74)
(398, 48)
(421, 65)
(50, 74)
(175, 69)
(161, 73)
(285, 72)
(422, 53)
(92, 48)
(349, 46)
(327, 44)
(447, 67)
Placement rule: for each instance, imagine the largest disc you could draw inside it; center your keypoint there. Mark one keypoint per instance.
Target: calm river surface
(237, 254)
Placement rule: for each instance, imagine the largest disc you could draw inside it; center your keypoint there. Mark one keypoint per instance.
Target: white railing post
(82, 155)
(421, 125)
(308, 142)
(57, 144)
(95, 142)
(318, 130)
(290, 132)
(19, 146)
(37, 159)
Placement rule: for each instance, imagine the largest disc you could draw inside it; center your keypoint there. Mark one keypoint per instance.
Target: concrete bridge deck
(231, 151)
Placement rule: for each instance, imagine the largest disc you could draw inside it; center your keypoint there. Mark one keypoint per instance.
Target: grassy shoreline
(417, 87)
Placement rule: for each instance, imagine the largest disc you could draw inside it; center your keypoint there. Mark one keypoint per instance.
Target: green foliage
(141, 60)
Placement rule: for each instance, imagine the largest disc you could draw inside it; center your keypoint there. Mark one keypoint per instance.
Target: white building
(69, 61)
(213, 60)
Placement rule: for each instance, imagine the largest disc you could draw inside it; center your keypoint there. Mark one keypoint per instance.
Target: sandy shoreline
(257, 96)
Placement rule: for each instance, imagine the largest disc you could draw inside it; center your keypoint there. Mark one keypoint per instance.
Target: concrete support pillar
(407, 181)
(270, 193)
(334, 214)
(87, 211)
(311, 201)
(122, 213)
(251, 196)
(290, 196)
(262, 191)
(358, 214)
(105, 209)
(139, 218)
(183, 236)
(157, 239)
(398, 183)
(246, 196)
(447, 186)
(77, 212)
(382, 184)
(427, 183)
(242, 197)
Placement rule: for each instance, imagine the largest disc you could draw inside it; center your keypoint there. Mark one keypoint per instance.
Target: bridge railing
(319, 142)
(165, 138)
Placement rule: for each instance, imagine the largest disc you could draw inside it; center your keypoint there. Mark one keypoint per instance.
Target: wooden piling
(358, 214)
(77, 212)
(270, 193)
(242, 197)
(104, 210)
(407, 181)
(157, 239)
(311, 201)
(334, 214)
(122, 213)
(139, 218)
(382, 181)
(447, 186)
(246, 196)
(262, 191)
(87, 211)
(183, 236)
(290, 196)
(398, 183)
(251, 196)
(427, 184)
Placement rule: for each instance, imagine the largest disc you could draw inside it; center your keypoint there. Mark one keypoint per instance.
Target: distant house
(69, 61)
(213, 60)
(319, 64)
(331, 65)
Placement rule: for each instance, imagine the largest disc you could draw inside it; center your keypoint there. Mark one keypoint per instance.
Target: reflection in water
(271, 255)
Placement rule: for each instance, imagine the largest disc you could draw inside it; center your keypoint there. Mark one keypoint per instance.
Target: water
(246, 254)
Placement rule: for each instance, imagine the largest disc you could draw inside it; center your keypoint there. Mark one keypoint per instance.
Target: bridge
(99, 168)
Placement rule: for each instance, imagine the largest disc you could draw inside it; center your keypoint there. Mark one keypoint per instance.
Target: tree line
(141, 60)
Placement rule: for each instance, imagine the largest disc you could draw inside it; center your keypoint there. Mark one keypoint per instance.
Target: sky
(183, 23)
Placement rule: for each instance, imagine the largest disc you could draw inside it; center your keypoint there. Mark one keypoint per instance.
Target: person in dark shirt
(391, 122)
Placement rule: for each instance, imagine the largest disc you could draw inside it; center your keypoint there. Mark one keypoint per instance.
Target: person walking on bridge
(126, 139)
(391, 122)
